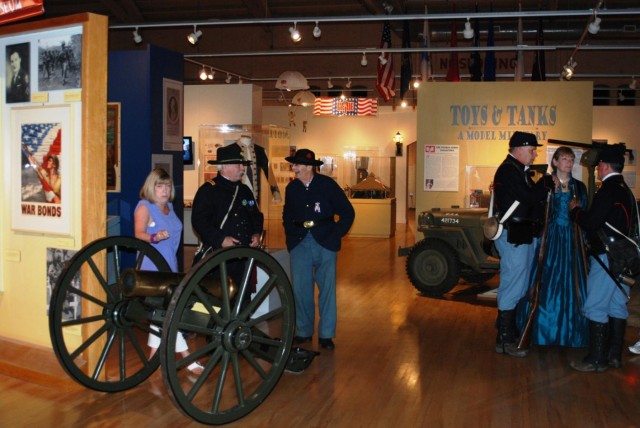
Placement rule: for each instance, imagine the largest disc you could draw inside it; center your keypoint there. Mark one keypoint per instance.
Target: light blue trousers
(313, 264)
(516, 263)
(604, 299)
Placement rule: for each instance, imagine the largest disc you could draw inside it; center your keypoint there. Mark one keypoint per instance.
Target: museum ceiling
(251, 40)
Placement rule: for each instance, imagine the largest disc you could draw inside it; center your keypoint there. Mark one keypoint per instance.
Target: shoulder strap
(230, 206)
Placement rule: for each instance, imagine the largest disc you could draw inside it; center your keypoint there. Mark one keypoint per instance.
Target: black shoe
(298, 340)
(327, 344)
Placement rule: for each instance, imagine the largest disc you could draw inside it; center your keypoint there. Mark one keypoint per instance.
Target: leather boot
(596, 359)
(617, 328)
(506, 342)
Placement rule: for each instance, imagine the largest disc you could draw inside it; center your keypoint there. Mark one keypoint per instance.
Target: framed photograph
(113, 147)
(41, 161)
(60, 63)
(172, 108)
(18, 81)
(56, 259)
(162, 161)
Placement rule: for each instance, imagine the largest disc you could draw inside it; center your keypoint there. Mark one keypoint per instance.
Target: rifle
(51, 196)
(534, 294)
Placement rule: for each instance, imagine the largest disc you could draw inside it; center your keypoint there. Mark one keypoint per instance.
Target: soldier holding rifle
(517, 244)
(606, 302)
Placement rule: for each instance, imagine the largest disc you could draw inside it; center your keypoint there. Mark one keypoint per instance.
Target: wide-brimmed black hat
(304, 157)
(612, 153)
(522, 139)
(229, 155)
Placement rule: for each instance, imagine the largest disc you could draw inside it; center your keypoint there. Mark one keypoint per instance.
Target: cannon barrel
(141, 283)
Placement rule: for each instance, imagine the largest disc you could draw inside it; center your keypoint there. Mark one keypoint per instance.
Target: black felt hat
(521, 139)
(612, 153)
(304, 157)
(228, 155)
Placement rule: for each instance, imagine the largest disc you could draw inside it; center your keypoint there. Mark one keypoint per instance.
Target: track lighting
(632, 85)
(295, 34)
(348, 84)
(403, 104)
(317, 32)
(594, 26)
(343, 96)
(329, 84)
(211, 74)
(382, 59)
(240, 82)
(468, 31)
(416, 83)
(203, 74)
(193, 37)
(228, 79)
(568, 69)
(137, 38)
(363, 61)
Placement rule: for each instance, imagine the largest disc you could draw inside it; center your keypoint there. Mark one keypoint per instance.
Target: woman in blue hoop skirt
(559, 319)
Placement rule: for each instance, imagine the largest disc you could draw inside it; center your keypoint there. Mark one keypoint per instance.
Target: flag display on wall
(326, 106)
(15, 10)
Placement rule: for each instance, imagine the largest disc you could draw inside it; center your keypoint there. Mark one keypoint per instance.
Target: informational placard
(441, 168)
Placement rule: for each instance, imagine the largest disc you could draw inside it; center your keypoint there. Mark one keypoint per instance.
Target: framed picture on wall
(162, 161)
(113, 147)
(41, 160)
(18, 81)
(172, 111)
(60, 62)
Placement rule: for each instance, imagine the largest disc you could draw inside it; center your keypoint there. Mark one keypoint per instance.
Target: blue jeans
(603, 297)
(311, 263)
(516, 263)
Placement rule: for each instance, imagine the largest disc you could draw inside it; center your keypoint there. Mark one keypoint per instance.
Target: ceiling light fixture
(228, 79)
(295, 34)
(343, 96)
(468, 31)
(632, 85)
(403, 104)
(317, 32)
(203, 74)
(211, 74)
(363, 61)
(568, 70)
(348, 84)
(594, 26)
(292, 81)
(416, 83)
(382, 59)
(193, 37)
(137, 38)
(329, 84)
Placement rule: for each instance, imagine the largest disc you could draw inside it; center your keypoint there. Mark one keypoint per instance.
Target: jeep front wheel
(432, 267)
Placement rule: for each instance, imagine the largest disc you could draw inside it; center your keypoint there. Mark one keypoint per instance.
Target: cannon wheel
(105, 349)
(432, 267)
(243, 344)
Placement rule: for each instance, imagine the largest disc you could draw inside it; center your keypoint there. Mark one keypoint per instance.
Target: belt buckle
(308, 224)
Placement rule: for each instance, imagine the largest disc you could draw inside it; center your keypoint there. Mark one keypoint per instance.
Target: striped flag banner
(327, 106)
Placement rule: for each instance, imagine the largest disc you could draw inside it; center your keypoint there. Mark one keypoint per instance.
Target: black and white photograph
(18, 83)
(56, 259)
(59, 63)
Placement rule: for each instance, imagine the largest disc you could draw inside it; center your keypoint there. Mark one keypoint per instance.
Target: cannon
(453, 247)
(241, 336)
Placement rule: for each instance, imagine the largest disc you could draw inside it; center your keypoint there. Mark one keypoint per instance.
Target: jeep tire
(433, 267)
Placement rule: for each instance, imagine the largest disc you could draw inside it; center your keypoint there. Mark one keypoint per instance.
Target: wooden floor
(401, 360)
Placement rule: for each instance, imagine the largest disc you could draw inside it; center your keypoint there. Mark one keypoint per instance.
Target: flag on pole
(453, 73)
(475, 62)
(518, 73)
(386, 80)
(490, 57)
(539, 69)
(425, 63)
(405, 68)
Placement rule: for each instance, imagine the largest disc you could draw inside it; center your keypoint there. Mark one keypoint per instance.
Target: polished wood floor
(401, 360)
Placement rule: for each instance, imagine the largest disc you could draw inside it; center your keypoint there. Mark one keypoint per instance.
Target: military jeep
(453, 247)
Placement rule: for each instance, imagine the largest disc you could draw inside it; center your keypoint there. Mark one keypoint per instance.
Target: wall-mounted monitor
(187, 151)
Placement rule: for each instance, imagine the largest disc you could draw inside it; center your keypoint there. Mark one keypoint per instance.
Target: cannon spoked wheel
(102, 342)
(243, 344)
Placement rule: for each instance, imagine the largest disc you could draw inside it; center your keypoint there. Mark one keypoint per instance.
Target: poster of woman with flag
(41, 169)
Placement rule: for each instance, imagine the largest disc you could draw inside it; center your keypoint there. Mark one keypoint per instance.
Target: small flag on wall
(327, 106)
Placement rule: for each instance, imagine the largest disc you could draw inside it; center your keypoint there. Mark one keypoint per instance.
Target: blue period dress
(172, 224)
(559, 319)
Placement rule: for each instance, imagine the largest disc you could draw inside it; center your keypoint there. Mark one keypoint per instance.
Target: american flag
(326, 106)
(386, 80)
(42, 139)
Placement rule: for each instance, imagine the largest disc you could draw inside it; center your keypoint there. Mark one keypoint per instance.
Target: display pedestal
(375, 218)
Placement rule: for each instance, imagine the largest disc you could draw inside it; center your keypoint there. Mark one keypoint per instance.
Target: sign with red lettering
(16, 10)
